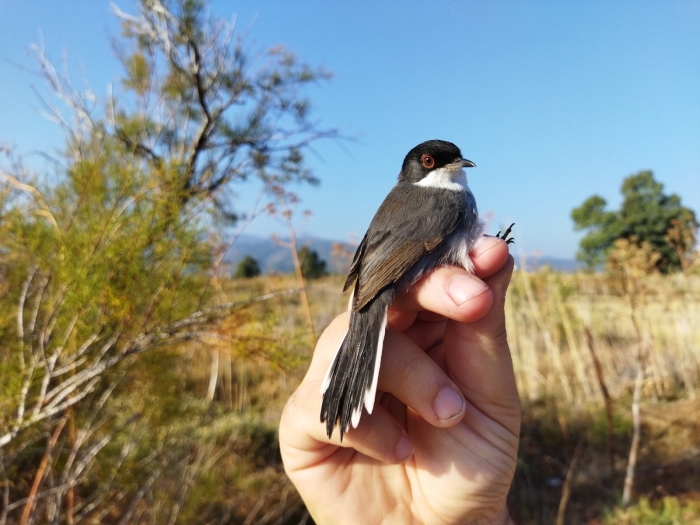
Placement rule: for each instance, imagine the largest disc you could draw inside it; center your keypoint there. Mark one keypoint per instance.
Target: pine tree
(647, 215)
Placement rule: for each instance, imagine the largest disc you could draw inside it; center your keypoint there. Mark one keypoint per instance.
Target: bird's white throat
(446, 179)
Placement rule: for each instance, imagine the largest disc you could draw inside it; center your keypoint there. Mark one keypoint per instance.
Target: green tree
(109, 265)
(247, 267)
(312, 266)
(647, 215)
(205, 105)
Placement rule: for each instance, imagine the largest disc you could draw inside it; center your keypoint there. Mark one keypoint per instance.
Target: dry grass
(573, 340)
(548, 314)
(267, 347)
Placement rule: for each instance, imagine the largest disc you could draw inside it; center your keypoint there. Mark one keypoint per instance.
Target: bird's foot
(505, 235)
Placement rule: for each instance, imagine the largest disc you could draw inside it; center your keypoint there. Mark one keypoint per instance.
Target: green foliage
(107, 258)
(647, 214)
(217, 111)
(247, 267)
(312, 266)
(597, 431)
(106, 289)
(668, 511)
(137, 73)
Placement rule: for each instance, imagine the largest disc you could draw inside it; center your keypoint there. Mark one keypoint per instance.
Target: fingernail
(448, 404)
(404, 449)
(462, 287)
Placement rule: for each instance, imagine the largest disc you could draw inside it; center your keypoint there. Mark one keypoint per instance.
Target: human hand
(441, 443)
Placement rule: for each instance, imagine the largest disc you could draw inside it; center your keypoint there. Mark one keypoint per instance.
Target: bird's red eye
(427, 161)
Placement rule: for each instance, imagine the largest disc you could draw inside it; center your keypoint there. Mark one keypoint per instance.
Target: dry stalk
(553, 350)
(634, 449)
(40, 473)
(606, 397)
(576, 353)
(629, 263)
(213, 375)
(259, 504)
(293, 247)
(70, 494)
(566, 488)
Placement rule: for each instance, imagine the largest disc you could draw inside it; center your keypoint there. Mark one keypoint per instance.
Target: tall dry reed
(548, 314)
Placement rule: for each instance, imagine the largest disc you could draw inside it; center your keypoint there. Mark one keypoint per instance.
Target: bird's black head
(430, 156)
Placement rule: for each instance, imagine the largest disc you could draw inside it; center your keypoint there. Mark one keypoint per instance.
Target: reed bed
(573, 335)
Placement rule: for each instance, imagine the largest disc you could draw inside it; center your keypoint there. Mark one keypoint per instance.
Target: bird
(428, 219)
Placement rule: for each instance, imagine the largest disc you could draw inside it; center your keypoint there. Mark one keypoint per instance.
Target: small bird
(429, 219)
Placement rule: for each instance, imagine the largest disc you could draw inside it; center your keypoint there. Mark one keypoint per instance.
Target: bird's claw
(505, 235)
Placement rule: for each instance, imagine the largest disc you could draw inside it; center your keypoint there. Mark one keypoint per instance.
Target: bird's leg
(505, 235)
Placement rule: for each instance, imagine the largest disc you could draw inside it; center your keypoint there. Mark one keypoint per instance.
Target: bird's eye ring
(427, 161)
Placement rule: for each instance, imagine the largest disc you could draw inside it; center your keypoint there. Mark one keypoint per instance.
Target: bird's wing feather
(403, 257)
(420, 219)
(355, 266)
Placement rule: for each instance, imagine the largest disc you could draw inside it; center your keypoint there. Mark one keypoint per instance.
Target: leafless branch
(126, 517)
(636, 435)
(41, 495)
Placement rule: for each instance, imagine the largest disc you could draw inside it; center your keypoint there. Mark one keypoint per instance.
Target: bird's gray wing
(355, 266)
(411, 222)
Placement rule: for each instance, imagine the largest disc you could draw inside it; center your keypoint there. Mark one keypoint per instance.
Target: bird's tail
(351, 380)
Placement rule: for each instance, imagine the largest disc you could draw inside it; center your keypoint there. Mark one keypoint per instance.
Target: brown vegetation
(138, 385)
(575, 341)
(236, 385)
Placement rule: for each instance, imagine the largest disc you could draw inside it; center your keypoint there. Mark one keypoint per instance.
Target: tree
(647, 215)
(111, 261)
(201, 110)
(312, 266)
(247, 267)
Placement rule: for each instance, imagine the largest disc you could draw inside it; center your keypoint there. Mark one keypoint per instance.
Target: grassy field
(192, 427)
(575, 340)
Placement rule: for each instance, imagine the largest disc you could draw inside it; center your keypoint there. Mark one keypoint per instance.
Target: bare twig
(287, 213)
(126, 517)
(634, 448)
(40, 472)
(606, 397)
(5, 490)
(259, 504)
(566, 488)
(41, 495)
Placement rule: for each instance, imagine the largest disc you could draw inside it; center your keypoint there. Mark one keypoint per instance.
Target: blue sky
(554, 101)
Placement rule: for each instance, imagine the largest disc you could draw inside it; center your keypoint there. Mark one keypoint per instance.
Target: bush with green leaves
(669, 510)
(312, 266)
(647, 214)
(107, 271)
(247, 267)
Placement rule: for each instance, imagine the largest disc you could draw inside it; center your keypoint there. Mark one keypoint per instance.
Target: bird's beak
(460, 163)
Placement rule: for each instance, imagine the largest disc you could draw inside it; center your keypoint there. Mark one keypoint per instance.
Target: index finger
(451, 291)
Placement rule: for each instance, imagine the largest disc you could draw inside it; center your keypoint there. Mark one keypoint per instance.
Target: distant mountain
(555, 263)
(277, 259)
(274, 258)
